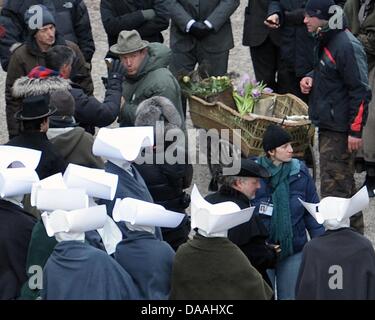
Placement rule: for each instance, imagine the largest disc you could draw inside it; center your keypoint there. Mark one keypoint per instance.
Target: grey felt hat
(128, 42)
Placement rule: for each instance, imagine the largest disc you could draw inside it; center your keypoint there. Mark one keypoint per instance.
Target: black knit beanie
(45, 18)
(274, 137)
(319, 8)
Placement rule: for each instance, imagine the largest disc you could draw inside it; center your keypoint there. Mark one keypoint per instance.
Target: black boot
(370, 185)
(370, 178)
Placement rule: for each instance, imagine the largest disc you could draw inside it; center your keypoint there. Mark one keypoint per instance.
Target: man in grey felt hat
(147, 74)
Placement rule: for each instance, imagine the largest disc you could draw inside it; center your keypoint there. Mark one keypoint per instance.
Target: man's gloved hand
(149, 14)
(199, 30)
(117, 70)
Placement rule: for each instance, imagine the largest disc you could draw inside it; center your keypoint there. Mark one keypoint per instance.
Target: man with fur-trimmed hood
(166, 182)
(89, 112)
(31, 54)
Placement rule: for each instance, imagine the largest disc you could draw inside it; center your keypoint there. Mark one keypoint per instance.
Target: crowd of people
(125, 232)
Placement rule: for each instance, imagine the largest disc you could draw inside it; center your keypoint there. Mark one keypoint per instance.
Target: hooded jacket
(75, 145)
(152, 79)
(72, 21)
(340, 94)
(23, 60)
(89, 112)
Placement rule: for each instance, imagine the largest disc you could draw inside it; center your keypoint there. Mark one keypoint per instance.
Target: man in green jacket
(147, 74)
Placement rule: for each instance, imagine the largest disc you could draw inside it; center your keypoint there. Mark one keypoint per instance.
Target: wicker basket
(219, 116)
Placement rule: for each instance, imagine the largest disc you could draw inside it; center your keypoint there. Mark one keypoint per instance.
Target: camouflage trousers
(337, 170)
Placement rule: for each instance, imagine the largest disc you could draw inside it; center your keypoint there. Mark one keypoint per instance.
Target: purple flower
(254, 82)
(255, 93)
(267, 90)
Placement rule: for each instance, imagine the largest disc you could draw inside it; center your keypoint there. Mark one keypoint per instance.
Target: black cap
(250, 168)
(274, 137)
(45, 17)
(319, 8)
(35, 107)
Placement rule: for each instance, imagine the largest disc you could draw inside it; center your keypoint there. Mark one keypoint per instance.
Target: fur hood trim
(158, 108)
(25, 86)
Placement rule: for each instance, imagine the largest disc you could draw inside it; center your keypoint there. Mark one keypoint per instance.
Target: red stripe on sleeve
(329, 55)
(357, 124)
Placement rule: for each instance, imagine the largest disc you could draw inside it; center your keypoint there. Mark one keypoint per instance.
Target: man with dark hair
(32, 53)
(338, 104)
(89, 112)
(34, 116)
(72, 22)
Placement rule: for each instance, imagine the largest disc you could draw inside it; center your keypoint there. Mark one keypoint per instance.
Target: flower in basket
(248, 93)
(194, 85)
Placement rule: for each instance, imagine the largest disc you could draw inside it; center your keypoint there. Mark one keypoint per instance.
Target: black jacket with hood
(340, 92)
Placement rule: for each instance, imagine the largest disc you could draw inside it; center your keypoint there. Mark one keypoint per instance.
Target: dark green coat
(153, 79)
(215, 268)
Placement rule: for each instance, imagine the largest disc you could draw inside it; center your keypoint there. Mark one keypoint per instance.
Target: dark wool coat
(15, 232)
(51, 161)
(118, 15)
(296, 44)
(149, 262)
(340, 256)
(250, 236)
(77, 271)
(215, 269)
(217, 12)
(255, 32)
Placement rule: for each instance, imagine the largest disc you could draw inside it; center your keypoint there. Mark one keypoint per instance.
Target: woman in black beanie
(280, 210)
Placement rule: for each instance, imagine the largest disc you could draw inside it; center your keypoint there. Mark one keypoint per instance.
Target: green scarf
(281, 222)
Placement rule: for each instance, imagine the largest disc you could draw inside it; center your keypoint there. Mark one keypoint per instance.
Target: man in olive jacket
(72, 20)
(147, 74)
(201, 32)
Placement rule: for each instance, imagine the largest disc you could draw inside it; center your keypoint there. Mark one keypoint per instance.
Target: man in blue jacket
(340, 94)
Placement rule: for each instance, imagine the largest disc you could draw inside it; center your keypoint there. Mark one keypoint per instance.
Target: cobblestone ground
(239, 61)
